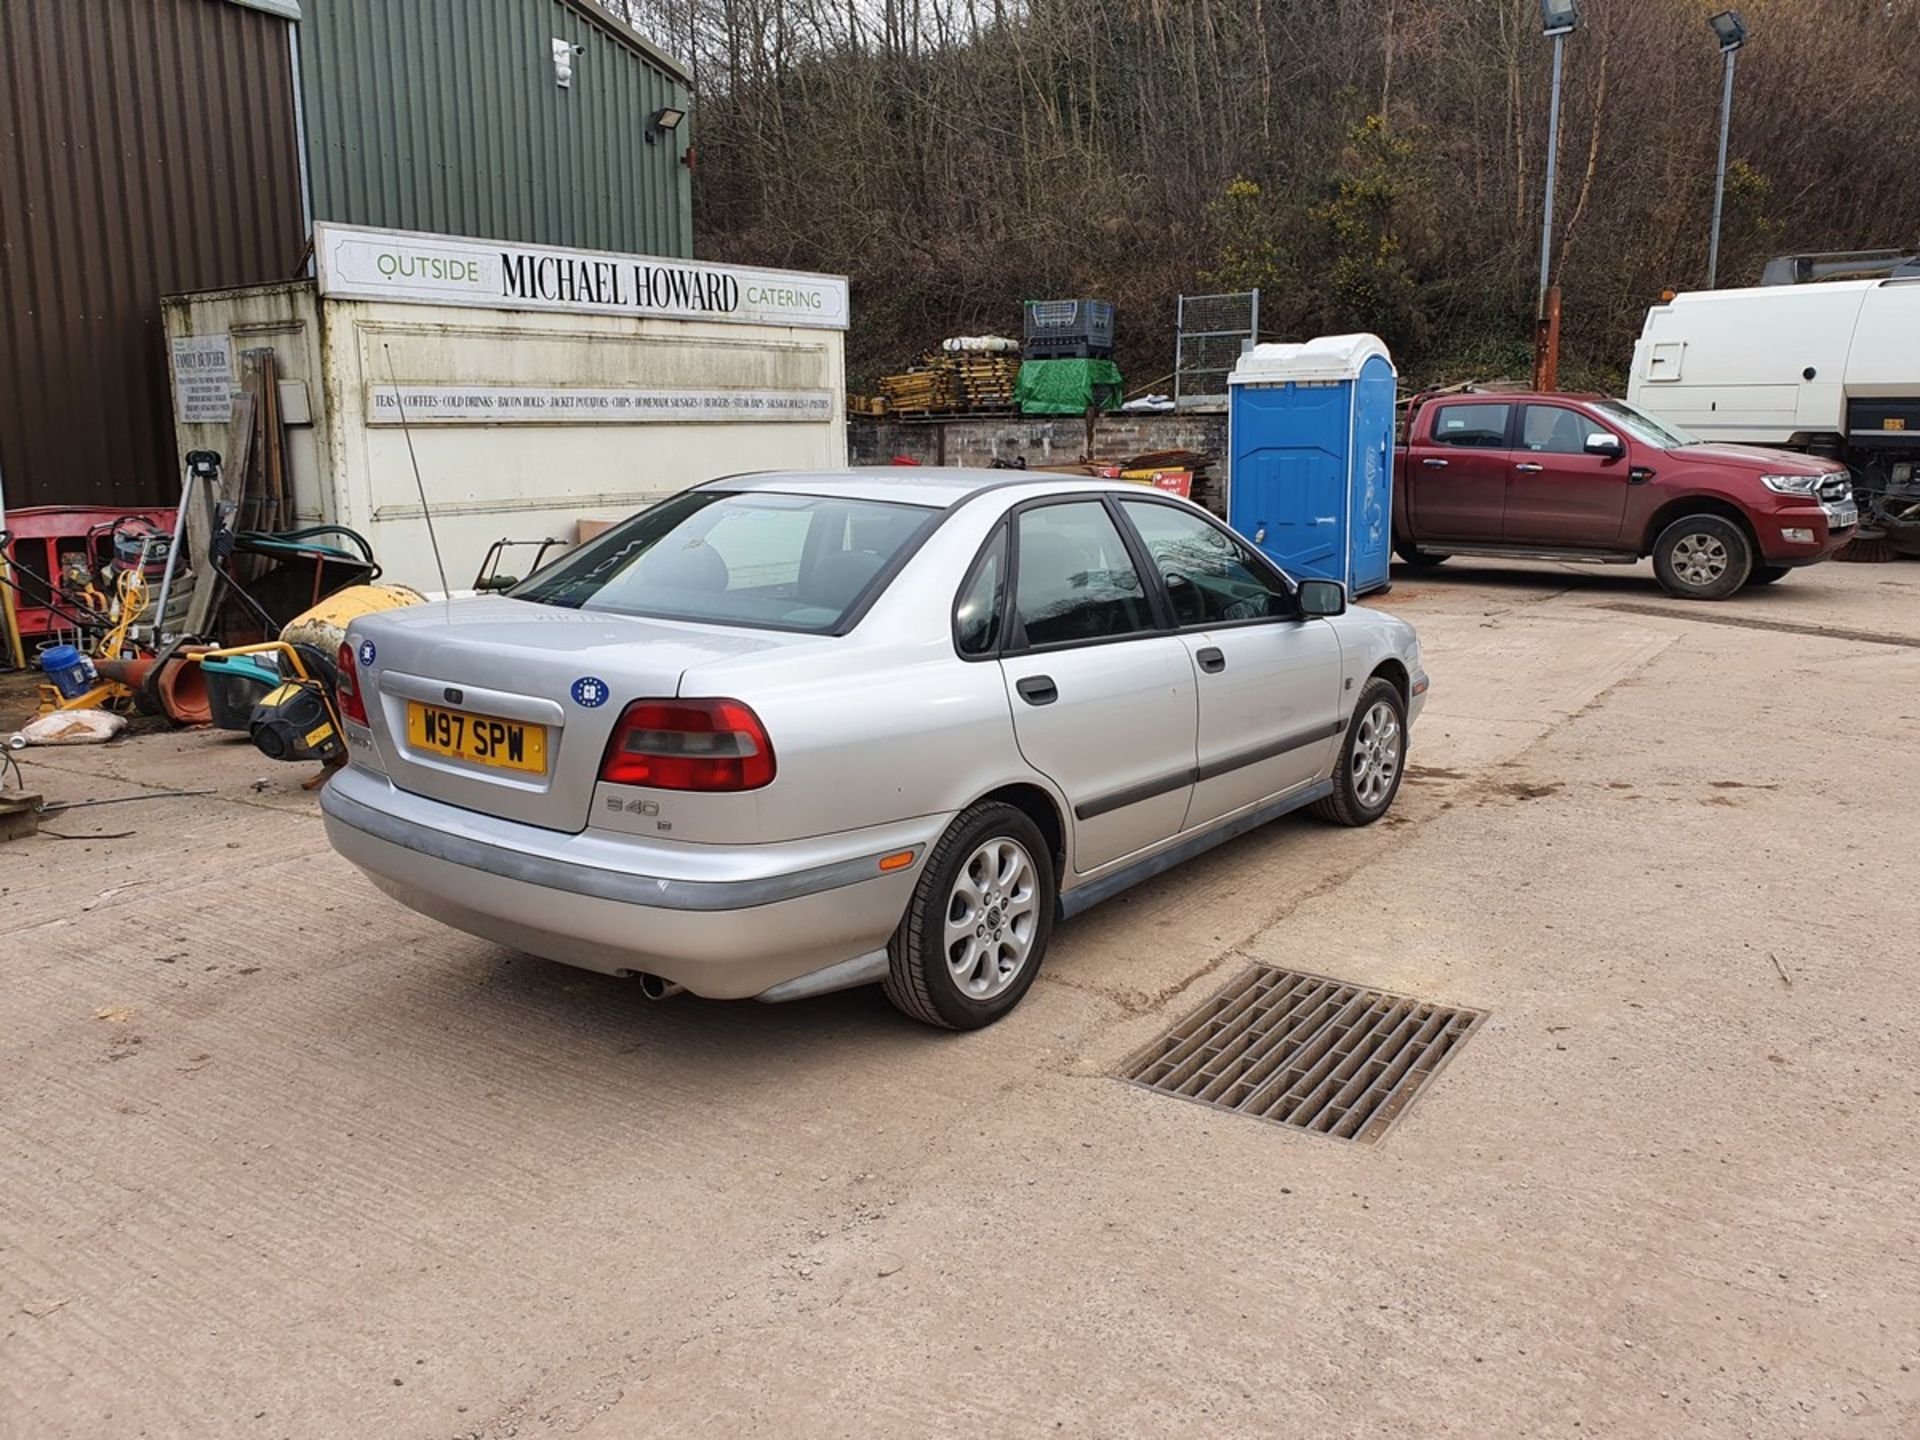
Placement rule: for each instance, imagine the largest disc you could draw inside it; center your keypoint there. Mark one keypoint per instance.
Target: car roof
(937, 487)
(1500, 397)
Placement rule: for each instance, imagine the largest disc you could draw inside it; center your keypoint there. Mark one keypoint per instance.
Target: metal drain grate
(1306, 1052)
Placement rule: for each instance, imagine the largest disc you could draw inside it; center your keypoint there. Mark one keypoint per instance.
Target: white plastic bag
(72, 727)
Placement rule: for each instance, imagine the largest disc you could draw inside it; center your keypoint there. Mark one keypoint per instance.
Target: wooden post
(1546, 343)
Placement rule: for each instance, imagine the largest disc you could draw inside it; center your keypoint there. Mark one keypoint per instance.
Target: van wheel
(1702, 557)
(977, 927)
(1767, 574)
(1372, 758)
(1416, 557)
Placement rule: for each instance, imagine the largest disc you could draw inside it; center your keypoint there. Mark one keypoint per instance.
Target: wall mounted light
(665, 119)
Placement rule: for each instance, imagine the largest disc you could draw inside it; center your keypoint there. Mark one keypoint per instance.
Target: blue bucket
(71, 672)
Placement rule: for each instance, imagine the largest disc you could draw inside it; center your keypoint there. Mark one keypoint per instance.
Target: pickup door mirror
(1600, 442)
(1322, 598)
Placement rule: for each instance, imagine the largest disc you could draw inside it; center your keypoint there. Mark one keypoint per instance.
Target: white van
(1831, 368)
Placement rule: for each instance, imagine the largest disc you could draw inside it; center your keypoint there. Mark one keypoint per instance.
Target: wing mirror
(1322, 598)
(1602, 443)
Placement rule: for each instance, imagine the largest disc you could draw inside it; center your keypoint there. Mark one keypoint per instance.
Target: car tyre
(978, 924)
(1416, 557)
(1373, 758)
(1767, 574)
(1702, 557)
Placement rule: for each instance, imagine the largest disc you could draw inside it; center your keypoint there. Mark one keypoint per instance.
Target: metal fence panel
(1214, 330)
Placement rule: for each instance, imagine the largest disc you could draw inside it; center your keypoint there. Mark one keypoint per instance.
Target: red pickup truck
(1585, 477)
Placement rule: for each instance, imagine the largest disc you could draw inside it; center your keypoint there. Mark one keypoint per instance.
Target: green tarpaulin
(1067, 387)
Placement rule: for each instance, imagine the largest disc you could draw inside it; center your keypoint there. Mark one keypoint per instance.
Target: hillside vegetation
(1370, 165)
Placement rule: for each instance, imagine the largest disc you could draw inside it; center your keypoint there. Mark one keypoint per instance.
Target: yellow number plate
(503, 744)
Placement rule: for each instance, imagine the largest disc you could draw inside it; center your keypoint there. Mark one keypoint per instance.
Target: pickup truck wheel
(1767, 574)
(1416, 557)
(977, 927)
(1702, 557)
(1372, 758)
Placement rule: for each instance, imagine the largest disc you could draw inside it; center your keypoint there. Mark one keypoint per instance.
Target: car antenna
(426, 511)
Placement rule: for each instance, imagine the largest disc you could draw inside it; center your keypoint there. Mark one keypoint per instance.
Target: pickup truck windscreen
(1643, 427)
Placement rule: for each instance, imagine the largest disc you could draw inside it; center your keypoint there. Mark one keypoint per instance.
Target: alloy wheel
(1700, 559)
(1376, 754)
(993, 915)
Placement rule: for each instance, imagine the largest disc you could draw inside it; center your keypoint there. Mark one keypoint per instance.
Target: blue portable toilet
(1310, 440)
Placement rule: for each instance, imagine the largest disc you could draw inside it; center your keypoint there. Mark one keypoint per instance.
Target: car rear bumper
(727, 922)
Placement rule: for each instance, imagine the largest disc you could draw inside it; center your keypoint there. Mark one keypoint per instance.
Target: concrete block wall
(1041, 440)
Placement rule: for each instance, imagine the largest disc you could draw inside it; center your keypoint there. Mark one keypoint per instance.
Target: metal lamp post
(1731, 31)
(1558, 19)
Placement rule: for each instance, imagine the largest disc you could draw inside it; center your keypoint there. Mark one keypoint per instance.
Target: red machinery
(59, 552)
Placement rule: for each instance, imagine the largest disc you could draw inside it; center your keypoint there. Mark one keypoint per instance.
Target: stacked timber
(930, 387)
(953, 382)
(986, 381)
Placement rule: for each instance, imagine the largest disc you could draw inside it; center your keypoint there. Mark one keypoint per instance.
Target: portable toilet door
(1310, 441)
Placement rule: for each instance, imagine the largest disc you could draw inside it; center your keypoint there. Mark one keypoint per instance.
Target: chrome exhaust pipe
(655, 988)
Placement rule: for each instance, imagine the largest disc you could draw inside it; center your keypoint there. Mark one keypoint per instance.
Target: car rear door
(1269, 678)
(1559, 496)
(1457, 471)
(1103, 696)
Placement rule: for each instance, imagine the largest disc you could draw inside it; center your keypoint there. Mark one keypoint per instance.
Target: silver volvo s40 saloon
(789, 733)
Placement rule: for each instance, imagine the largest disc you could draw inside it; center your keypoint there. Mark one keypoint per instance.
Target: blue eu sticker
(367, 652)
(589, 691)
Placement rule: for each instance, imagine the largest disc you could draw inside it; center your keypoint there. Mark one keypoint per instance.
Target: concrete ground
(279, 1158)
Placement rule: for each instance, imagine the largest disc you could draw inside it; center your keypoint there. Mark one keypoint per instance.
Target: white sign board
(571, 405)
(357, 264)
(203, 379)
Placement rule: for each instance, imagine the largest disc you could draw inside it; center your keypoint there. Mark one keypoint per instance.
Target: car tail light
(347, 691)
(689, 745)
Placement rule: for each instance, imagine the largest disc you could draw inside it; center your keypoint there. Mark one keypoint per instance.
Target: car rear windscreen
(781, 562)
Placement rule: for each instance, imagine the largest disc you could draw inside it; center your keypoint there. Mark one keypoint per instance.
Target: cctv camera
(579, 49)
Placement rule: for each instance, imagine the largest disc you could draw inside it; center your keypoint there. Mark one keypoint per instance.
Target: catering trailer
(533, 387)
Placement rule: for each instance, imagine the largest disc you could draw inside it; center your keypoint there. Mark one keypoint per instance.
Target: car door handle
(1037, 689)
(1527, 467)
(1434, 464)
(1211, 660)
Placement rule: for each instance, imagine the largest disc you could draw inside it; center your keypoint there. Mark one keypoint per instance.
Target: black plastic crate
(1064, 350)
(1083, 322)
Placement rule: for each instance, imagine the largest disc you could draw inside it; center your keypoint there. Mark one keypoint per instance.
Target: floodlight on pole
(1558, 19)
(1731, 31)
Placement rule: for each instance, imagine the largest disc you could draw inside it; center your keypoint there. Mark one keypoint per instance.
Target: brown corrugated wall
(146, 146)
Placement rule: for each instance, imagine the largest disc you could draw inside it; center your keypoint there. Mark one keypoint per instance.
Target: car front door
(1457, 473)
(1103, 695)
(1269, 678)
(1559, 496)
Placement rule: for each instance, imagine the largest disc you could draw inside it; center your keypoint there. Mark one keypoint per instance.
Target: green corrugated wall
(443, 116)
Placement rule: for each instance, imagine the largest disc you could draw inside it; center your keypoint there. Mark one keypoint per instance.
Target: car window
(976, 618)
(1074, 579)
(1555, 430)
(785, 562)
(758, 547)
(1480, 427)
(1211, 576)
